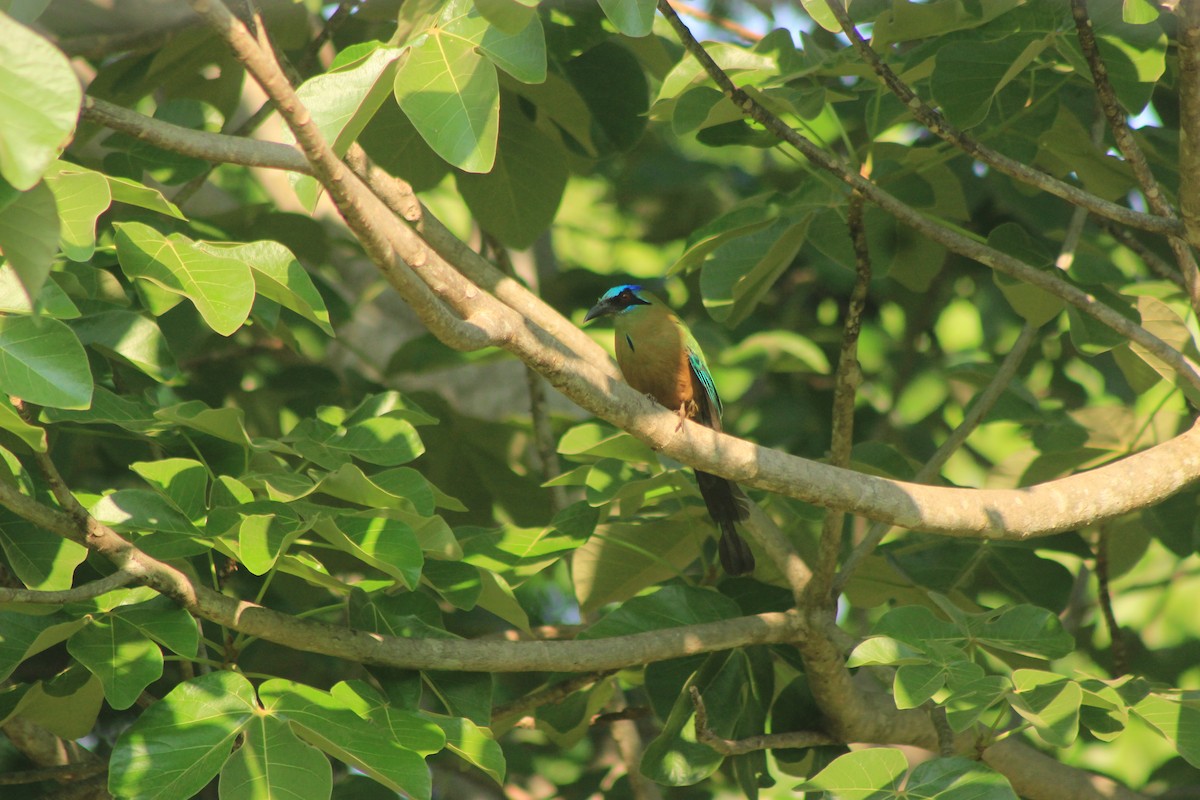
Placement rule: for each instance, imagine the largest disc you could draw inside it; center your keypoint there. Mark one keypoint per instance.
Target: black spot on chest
(629, 341)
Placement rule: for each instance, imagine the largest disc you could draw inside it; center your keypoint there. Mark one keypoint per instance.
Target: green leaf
(141, 511)
(183, 481)
(737, 274)
(227, 424)
(631, 17)
(669, 607)
(133, 193)
(222, 289)
(81, 196)
(279, 277)
(164, 621)
(622, 559)
(31, 435)
(1050, 702)
(28, 634)
(1024, 629)
(40, 559)
(968, 74)
(386, 441)
(861, 775)
(473, 744)
(132, 337)
(879, 650)
(1177, 719)
(601, 440)
(342, 102)
(517, 200)
(181, 742)
(386, 544)
(38, 107)
(29, 233)
(51, 301)
(452, 95)
(42, 362)
(391, 755)
(117, 653)
(520, 52)
(958, 778)
(273, 764)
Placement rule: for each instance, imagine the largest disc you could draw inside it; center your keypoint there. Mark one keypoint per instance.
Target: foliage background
(288, 509)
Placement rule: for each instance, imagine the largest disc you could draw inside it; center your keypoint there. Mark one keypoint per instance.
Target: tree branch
(937, 125)
(1119, 125)
(1188, 13)
(766, 741)
(579, 369)
(87, 591)
(445, 654)
(845, 388)
(935, 231)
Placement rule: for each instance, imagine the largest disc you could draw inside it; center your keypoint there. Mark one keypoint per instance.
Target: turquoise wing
(700, 368)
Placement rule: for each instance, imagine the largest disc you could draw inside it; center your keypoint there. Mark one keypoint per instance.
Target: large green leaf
(631, 17)
(181, 742)
(278, 276)
(452, 95)
(40, 559)
(272, 763)
(516, 201)
(391, 755)
(968, 74)
(342, 102)
(42, 362)
(39, 103)
(29, 233)
(1177, 719)
(737, 274)
(124, 660)
(133, 338)
(1050, 702)
(474, 744)
(82, 196)
(28, 634)
(876, 774)
(221, 288)
(669, 607)
(386, 544)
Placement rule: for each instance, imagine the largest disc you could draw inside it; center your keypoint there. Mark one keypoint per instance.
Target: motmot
(659, 356)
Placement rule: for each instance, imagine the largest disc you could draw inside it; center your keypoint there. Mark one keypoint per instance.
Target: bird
(659, 357)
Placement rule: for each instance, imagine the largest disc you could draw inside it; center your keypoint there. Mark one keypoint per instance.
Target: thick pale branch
(937, 125)
(591, 381)
(929, 228)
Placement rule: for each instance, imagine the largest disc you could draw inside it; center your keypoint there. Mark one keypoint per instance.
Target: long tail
(727, 505)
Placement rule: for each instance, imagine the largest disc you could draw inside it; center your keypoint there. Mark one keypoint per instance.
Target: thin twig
(766, 741)
(846, 383)
(927, 227)
(937, 125)
(552, 694)
(983, 404)
(78, 594)
(1119, 124)
(1104, 597)
(1188, 16)
(722, 22)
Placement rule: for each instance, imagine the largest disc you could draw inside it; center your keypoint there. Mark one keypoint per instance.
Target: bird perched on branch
(659, 356)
